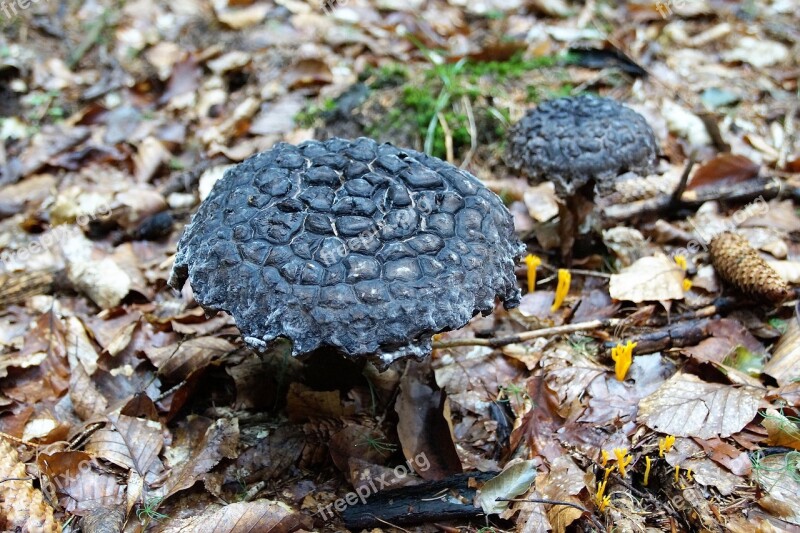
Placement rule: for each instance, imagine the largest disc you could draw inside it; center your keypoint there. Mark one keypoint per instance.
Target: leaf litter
(124, 407)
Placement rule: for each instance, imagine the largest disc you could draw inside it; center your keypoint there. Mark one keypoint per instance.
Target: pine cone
(739, 264)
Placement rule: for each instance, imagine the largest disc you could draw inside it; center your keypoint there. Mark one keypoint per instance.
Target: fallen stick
(431, 501)
(766, 188)
(495, 342)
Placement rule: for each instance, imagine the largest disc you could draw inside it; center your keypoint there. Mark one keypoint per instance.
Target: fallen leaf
(724, 169)
(180, 359)
(689, 407)
(77, 484)
(424, 427)
(24, 508)
(302, 403)
(777, 476)
(541, 201)
(515, 479)
(782, 431)
(759, 52)
(129, 442)
(563, 483)
(784, 366)
(655, 278)
(219, 440)
(259, 515)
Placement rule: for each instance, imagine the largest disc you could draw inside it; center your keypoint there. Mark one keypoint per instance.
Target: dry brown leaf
(86, 399)
(689, 407)
(424, 426)
(563, 483)
(260, 515)
(568, 374)
(23, 506)
(303, 403)
(149, 158)
(784, 365)
(130, 443)
(724, 169)
(221, 439)
(777, 476)
(654, 279)
(180, 359)
(781, 430)
(79, 486)
(360, 442)
(706, 472)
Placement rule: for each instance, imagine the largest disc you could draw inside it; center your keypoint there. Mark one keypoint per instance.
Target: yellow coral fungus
(564, 279)
(665, 444)
(605, 457)
(532, 261)
(623, 357)
(623, 460)
(687, 284)
(599, 499)
(648, 464)
(681, 261)
(677, 473)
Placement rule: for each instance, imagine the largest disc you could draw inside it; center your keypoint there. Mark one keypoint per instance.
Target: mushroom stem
(495, 342)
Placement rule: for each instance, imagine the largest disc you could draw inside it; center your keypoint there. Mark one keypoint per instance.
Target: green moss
(391, 75)
(307, 117)
(440, 92)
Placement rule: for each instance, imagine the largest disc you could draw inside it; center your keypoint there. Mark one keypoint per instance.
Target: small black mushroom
(362, 247)
(582, 144)
(579, 140)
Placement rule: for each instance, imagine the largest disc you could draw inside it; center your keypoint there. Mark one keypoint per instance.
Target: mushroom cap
(366, 248)
(573, 141)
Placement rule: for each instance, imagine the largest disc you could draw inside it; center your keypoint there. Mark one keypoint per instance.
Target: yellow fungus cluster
(532, 261)
(564, 280)
(623, 357)
(665, 444)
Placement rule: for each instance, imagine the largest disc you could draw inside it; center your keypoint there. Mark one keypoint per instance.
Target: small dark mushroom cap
(573, 141)
(366, 248)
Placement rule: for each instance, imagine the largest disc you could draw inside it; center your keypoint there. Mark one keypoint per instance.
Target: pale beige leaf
(514, 480)
(654, 279)
(784, 365)
(689, 407)
(541, 201)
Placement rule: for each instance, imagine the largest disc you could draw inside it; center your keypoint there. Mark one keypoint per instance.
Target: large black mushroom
(364, 248)
(582, 144)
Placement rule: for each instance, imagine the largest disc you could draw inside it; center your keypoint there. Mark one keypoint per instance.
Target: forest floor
(124, 407)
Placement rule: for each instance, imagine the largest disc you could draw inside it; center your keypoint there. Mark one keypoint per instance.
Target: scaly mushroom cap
(366, 248)
(572, 141)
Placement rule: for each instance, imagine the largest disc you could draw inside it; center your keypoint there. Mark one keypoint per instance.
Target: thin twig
(581, 508)
(16, 479)
(577, 271)
(495, 342)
